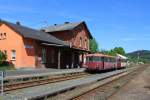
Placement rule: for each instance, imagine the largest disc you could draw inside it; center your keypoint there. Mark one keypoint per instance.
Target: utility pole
(138, 54)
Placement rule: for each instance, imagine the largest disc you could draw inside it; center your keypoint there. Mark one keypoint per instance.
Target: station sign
(27, 46)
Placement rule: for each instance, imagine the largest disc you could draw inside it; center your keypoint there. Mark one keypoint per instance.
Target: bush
(3, 57)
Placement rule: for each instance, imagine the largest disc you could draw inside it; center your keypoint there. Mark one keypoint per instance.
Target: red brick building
(75, 34)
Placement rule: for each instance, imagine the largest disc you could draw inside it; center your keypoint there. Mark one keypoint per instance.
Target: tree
(93, 46)
(103, 51)
(114, 51)
(119, 50)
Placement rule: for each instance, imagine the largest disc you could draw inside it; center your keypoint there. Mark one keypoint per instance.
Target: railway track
(26, 82)
(100, 90)
(109, 88)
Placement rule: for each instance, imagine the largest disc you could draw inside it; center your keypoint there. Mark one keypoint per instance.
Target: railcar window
(105, 59)
(112, 60)
(108, 59)
(102, 59)
(93, 59)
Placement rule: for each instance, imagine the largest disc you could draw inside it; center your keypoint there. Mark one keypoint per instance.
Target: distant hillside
(144, 55)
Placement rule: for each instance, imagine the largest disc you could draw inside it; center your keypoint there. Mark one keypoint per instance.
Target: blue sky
(124, 23)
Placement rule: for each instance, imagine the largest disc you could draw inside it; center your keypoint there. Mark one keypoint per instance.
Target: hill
(140, 55)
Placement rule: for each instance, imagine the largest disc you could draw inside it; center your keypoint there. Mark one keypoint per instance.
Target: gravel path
(137, 89)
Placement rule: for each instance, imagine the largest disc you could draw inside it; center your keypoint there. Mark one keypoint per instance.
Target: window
(105, 59)
(52, 56)
(5, 35)
(85, 43)
(92, 58)
(80, 42)
(13, 55)
(43, 55)
(5, 51)
(1, 35)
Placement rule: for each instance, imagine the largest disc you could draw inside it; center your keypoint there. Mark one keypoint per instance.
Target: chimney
(67, 22)
(18, 23)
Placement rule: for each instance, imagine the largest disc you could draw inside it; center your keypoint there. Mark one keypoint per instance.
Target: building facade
(30, 48)
(77, 36)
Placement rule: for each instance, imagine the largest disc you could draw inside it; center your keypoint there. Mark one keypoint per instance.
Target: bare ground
(137, 89)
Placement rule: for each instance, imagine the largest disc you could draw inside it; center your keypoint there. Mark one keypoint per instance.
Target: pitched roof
(35, 34)
(99, 55)
(65, 27)
(61, 27)
(121, 56)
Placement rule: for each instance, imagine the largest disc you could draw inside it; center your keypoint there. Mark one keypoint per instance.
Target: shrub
(3, 57)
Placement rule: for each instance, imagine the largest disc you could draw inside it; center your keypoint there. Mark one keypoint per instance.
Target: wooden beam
(72, 65)
(82, 57)
(82, 60)
(59, 54)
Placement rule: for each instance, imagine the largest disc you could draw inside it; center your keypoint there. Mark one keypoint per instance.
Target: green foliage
(139, 56)
(114, 51)
(119, 50)
(94, 46)
(3, 57)
(4, 65)
(104, 51)
(108, 52)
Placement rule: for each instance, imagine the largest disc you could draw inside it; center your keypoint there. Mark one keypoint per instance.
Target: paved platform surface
(34, 72)
(38, 91)
(137, 89)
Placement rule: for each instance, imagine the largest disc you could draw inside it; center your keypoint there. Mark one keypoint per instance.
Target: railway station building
(56, 46)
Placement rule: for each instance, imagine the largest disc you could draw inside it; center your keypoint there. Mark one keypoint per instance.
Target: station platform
(53, 88)
(39, 72)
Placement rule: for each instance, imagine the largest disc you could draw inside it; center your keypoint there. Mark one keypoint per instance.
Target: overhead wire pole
(138, 54)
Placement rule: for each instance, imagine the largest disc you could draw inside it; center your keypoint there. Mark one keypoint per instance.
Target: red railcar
(121, 61)
(100, 62)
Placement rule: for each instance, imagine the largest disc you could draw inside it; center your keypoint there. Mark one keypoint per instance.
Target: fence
(2, 75)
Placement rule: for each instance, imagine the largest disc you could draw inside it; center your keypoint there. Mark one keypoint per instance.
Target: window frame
(85, 44)
(13, 55)
(80, 41)
(43, 56)
(4, 35)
